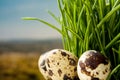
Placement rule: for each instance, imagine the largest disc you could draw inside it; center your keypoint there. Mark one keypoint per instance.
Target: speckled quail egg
(58, 64)
(92, 65)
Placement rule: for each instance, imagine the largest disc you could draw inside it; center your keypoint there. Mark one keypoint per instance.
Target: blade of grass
(54, 16)
(116, 3)
(50, 25)
(114, 57)
(102, 9)
(75, 34)
(113, 71)
(112, 41)
(108, 15)
(86, 40)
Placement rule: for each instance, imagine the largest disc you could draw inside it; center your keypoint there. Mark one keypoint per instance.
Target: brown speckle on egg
(93, 78)
(49, 79)
(83, 68)
(44, 68)
(50, 72)
(58, 63)
(63, 53)
(54, 52)
(66, 77)
(97, 58)
(106, 70)
(75, 69)
(48, 63)
(59, 72)
(72, 62)
(76, 78)
(97, 73)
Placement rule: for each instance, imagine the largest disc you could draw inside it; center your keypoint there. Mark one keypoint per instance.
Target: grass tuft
(90, 25)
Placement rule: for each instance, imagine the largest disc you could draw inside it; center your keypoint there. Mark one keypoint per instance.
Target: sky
(13, 27)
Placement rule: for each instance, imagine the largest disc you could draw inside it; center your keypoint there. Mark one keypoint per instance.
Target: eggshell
(58, 64)
(93, 66)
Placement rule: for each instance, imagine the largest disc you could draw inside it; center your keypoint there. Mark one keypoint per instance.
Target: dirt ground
(19, 66)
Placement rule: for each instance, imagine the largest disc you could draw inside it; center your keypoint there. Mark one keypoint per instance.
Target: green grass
(90, 24)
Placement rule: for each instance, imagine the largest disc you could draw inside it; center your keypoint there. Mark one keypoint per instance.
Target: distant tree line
(29, 46)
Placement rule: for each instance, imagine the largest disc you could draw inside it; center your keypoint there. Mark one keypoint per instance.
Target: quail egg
(92, 65)
(58, 64)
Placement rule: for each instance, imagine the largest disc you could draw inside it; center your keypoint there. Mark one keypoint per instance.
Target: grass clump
(90, 24)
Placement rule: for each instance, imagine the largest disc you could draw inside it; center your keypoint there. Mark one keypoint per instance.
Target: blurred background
(22, 42)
